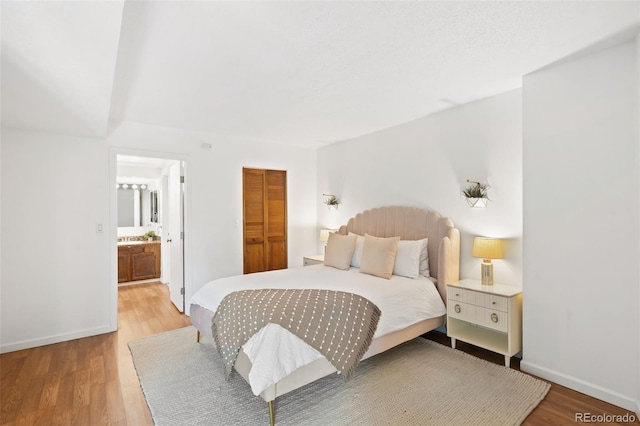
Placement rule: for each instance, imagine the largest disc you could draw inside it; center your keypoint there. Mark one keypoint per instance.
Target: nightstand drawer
(460, 310)
(492, 301)
(485, 300)
(462, 295)
(492, 318)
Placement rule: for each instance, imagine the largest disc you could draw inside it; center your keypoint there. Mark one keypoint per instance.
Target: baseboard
(28, 344)
(604, 394)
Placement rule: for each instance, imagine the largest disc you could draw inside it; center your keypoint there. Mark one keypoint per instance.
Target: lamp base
(486, 272)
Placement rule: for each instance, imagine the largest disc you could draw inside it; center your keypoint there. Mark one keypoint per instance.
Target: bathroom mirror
(135, 207)
(153, 206)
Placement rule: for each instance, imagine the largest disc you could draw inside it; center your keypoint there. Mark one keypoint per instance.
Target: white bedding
(275, 353)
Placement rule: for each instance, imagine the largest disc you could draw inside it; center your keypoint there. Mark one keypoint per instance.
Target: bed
(403, 318)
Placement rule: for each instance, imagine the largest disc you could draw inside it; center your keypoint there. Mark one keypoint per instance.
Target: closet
(264, 210)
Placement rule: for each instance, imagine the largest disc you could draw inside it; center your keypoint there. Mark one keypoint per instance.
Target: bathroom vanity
(138, 260)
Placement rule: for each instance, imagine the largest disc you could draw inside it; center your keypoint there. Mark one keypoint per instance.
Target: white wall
(213, 241)
(425, 163)
(58, 275)
(55, 266)
(637, 320)
(637, 71)
(581, 227)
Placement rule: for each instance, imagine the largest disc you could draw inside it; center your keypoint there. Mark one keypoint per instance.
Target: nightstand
(313, 260)
(485, 316)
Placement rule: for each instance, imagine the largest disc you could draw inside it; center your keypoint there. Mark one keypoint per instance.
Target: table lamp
(487, 249)
(324, 236)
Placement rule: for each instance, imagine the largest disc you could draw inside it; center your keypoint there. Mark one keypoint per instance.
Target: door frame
(173, 289)
(113, 224)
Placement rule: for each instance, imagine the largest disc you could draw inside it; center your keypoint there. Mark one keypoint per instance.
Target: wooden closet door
(276, 219)
(264, 220)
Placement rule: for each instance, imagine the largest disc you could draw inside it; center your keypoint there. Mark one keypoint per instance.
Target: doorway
(157, 187)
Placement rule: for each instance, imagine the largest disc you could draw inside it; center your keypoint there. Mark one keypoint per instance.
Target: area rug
(417, 383)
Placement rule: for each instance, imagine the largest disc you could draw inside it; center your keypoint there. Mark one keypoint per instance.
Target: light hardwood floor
(92, 381)
(88, 381)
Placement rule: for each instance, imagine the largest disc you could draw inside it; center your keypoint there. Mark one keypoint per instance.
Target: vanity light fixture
(131, 186)
(487, 249)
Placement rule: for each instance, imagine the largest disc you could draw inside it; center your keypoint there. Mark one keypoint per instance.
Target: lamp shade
(487, 248)
(324, 234)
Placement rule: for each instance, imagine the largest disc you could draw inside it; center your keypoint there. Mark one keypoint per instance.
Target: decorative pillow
(339, 250)
(408, 258)
(357, 254)
(378, 256)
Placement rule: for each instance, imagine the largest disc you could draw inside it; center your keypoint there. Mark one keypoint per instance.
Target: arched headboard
(412, 223)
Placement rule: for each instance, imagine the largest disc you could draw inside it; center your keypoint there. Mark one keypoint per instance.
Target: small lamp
(324, 236)
(487, 249)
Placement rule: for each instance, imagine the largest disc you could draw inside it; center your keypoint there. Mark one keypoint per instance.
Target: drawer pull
(457, 294)
(457, 309)
(494, 317)
(493, 303)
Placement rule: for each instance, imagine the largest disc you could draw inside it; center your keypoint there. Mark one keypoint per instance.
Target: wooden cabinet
(264, 219)
(138, 261)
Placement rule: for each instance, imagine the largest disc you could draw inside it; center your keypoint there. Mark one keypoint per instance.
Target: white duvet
(275, 352)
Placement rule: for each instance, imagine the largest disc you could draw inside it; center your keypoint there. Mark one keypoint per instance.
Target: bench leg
(272, 414)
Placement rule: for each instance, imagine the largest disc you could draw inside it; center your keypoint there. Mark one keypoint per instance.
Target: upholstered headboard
(411, 223)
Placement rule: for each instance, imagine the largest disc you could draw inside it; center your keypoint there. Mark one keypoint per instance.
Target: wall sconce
(332, 201)
(476, 194)
(487, 249)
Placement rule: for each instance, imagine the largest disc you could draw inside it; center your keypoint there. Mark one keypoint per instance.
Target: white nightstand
(485, 316)
(313, 260)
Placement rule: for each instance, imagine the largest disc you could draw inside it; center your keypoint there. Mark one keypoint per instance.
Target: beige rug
(417, 383)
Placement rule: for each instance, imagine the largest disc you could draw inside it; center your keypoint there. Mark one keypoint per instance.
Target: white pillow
(378, 256)
(339, 250)
(424, 260)
(408, 258)
(357, 253)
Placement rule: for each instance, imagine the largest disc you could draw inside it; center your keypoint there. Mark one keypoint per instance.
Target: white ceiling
(58, 63)
(301, 73)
